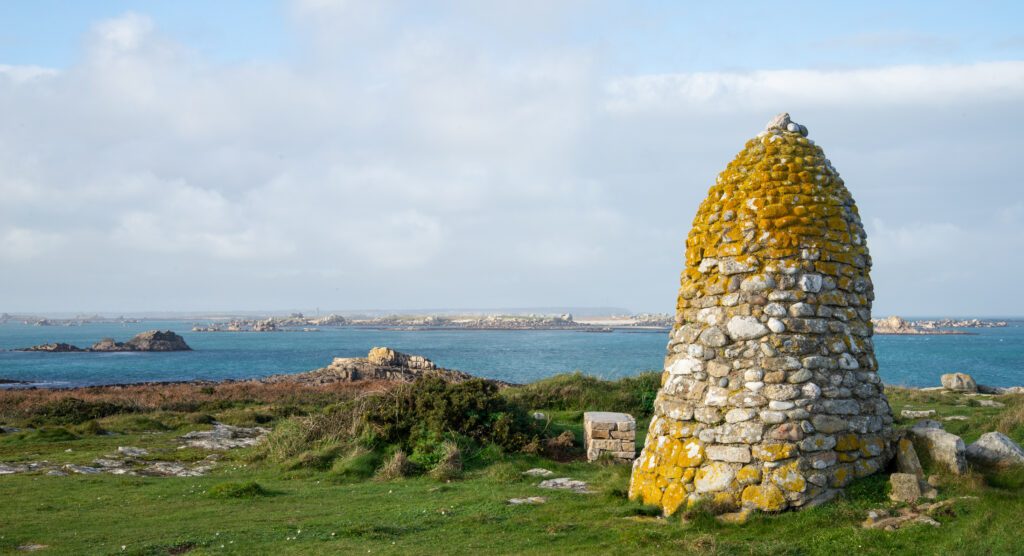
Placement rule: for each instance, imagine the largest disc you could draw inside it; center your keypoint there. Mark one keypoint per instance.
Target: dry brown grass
(1012, 418)
(16, 404)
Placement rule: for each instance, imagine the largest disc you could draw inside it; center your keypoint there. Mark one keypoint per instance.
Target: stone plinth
(770, 397)
(605, 432)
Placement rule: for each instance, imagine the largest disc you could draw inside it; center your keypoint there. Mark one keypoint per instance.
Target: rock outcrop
(770, 397)
(959, 382)
(382, 363)
(152, 340)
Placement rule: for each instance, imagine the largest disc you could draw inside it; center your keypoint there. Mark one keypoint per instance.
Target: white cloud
(933, 86)
(405, 168)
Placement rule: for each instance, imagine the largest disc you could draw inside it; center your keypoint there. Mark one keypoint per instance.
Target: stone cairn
(770, 397)
(610, 433)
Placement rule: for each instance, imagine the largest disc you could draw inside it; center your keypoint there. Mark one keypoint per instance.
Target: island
(152, 340)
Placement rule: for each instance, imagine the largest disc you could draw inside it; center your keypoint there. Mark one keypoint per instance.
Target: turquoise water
(994, 356)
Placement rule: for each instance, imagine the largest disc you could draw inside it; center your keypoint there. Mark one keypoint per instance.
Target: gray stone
(745, 328)
(995, 448)
(828, 423)
(565, 483)
(713, 337)
(959, 382)
(736, 454)
(904, 487)
(943, 448)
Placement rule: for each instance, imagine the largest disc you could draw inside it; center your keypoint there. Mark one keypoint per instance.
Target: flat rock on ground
(225, 437)
(565, 483)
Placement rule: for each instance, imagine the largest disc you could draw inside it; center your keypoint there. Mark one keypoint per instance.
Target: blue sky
(396, 155)
(635, 36)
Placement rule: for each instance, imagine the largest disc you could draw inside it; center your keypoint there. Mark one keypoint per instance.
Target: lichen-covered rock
(995, 448)
(905, 487)
(959, 382)
(943, 448)
(770, 397)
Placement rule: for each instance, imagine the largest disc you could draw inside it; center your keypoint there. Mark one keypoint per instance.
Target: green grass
(332, 504)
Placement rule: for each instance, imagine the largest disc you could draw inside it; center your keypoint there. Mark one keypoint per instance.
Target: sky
(271, 155)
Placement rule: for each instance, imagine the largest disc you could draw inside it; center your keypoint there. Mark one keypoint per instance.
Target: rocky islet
(152, 340)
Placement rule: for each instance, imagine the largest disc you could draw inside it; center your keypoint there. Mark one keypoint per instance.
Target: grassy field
(253, 505)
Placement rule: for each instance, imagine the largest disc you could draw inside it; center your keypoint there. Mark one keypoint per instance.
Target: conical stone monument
(770, 397)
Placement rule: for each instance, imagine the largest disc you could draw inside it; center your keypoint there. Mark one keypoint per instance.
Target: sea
(994, 356)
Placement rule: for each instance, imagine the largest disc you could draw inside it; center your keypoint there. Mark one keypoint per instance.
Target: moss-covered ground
(248, 505)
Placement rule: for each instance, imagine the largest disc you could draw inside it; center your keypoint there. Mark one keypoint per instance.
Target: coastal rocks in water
(56, 347)
(153, 340)
(945, 449)
(770, 397)
(959, 382)
(380, 364)
(995, 448)
(225, 437)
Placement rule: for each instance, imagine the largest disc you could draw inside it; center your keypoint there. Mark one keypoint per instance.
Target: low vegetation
(427, 468)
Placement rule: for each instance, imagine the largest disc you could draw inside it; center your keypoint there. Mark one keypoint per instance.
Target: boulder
(906, 458)
(995, 448)
(945, 449)
(959, 382)
(905, 487)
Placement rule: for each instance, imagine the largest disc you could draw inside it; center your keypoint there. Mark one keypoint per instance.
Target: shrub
(248, 489)
(450, 465)
(504, 472)
(396, 467)
(73, 411)
(579, 392)
(431, 409)
(360, 463)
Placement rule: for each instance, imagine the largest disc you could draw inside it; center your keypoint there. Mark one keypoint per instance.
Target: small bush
(431, 409)
(576, 391)
(320, 459)
(396, 467)
(560, 448)
(504, 472)
(200, 419)
(249, 489)
(360, 463)
(450, 465)
(90, 428)
(73, 411)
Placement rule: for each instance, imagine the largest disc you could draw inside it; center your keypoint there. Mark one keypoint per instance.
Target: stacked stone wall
(770, 396)
(609, 433)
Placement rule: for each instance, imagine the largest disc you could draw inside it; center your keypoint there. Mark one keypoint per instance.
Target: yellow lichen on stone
(789, 477)
(774, 452)
(673, 497)
(767, 498)
(846, 442)
(691, 453)
(748, 475)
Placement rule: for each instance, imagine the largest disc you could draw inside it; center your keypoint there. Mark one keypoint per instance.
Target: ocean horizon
(994, 356)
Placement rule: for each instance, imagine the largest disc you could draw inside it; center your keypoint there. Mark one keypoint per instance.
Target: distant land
(600, 319)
